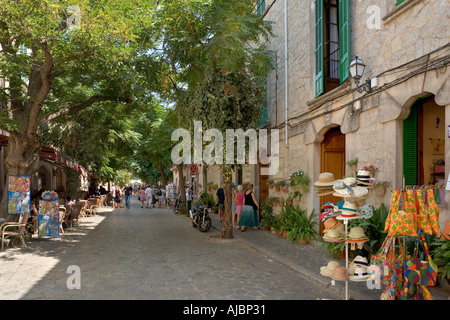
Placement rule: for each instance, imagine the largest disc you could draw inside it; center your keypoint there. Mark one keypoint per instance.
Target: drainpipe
(286, 86)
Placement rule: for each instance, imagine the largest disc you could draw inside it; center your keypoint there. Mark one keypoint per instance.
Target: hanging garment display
(433, 212)
(423, 221)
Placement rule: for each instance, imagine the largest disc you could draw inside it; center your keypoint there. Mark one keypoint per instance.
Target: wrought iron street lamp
(356, 69)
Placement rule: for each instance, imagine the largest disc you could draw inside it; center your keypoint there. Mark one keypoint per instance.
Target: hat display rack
(336, 224)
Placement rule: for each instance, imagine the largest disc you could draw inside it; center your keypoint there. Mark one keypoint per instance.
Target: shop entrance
(424, 143)
(332, 159)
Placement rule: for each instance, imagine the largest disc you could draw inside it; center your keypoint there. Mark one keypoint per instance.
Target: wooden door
(332, 160)
(263, 186)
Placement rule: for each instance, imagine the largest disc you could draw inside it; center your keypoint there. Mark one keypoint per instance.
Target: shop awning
(53, 155)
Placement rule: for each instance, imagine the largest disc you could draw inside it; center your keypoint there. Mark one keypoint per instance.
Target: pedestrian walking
(142, 196)
(118, 197)
(220, 198)
(249, 216)
(113, 196)
(149, 196)
(233, 204)
(127, 192)
(240, 194)
(154, 199)
(162, 197)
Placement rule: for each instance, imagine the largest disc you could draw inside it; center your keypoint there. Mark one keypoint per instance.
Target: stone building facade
(405, 46)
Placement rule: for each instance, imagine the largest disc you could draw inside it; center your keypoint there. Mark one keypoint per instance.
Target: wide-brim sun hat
(333, 234)
(359, 273)
(349, 209)
(328, 270)
(340, 274)
(330, 223)
(356, 233)
(325, 179)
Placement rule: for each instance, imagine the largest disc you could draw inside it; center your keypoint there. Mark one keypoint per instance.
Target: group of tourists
(244, 208)
(151, 195)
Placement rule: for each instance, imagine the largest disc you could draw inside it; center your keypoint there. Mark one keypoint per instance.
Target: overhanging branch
(81, 107)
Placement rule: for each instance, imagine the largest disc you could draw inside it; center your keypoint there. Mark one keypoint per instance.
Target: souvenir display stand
(350, 193)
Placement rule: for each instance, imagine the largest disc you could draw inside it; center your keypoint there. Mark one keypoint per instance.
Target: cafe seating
(19, 229)
(74, 214)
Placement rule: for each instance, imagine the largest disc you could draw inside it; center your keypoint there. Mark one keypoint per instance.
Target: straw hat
(330, 223)
(348, 188)
(328, 270)
(333, 235)
(363, 178)
(325, 179)
(340, 273)
(359, 273)
(349, 209)
(357, 233)
(360, 261)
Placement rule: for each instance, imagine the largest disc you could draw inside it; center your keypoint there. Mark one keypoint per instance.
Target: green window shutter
(400, 1)
(344, 40)
(260, 6)
(410, 158)
(264, 112)
(319, 75)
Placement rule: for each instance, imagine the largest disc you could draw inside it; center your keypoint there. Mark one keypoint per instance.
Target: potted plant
(336, 249)
(352, 164)
(281, 202)
(277, 186)
(284, 220)
(300, 181)
(267, 217)
(372, 170)
(441, 257)
(303, 228)
(380, 187)
(270, 183)
(290, 198)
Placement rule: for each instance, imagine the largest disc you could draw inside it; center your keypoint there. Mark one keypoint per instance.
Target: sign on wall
(18, 194)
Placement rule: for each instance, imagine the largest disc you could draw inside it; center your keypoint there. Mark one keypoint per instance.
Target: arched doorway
(332, 159)
(424, 143)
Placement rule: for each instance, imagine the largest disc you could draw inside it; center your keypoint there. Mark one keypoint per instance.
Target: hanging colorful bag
(418, 272)
(395, 264)
(379, 262)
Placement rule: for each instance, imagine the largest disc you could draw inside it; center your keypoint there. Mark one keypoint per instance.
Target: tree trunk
(161, 171)
(22, 158)
(227, 231)
(182, 188)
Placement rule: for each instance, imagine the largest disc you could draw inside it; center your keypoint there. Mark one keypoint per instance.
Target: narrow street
(152, 254)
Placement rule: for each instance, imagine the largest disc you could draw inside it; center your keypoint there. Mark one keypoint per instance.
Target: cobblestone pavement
(148, 254)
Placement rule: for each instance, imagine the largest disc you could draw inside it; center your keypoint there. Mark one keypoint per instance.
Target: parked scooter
(200, 217)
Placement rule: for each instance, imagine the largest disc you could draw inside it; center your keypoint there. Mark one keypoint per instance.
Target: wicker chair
(62, 215)
(75, 214)
(21, 226)
(84, 207)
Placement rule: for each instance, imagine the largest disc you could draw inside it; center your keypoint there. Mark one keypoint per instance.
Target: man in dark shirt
(220, 195)
(128, 190)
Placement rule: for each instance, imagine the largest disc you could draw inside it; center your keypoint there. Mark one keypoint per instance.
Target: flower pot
(267, 228)
(284, 234)
(302, 241)
(277, 188)
(289, 201)
(380, 191)
(285, 189)
(281, 203)
(353, 168)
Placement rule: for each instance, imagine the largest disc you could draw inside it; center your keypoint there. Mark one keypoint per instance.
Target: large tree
(78, 55)
(218, 67)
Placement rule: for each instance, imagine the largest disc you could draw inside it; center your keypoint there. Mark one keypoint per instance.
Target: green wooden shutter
(260, 6)
(344, 40)
(400, 1)
(319, 76)
(410, 157)
(264, 112)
